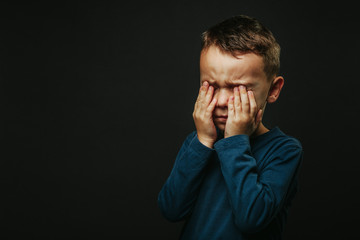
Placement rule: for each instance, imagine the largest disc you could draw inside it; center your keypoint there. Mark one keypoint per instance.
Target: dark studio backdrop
(97, 99)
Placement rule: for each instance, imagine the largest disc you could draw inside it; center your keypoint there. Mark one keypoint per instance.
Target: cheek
(260, 99)
(257, 97)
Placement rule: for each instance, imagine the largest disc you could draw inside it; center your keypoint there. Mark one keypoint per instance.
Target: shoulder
(278, 138)
(285, 147)
(275, 148)
(275, 143)
(287, 140)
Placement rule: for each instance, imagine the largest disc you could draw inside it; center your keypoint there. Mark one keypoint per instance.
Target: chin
(220, 126)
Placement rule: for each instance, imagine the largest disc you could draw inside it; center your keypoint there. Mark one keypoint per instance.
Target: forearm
(255, 196)
(179, 192)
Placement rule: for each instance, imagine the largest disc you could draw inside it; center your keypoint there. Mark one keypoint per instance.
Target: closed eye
(214, 85)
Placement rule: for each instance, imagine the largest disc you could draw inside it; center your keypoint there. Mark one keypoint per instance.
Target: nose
(223, 95)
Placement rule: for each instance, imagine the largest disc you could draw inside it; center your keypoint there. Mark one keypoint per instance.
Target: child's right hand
(203, 112)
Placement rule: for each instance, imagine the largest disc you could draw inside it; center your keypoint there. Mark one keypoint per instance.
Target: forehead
(222, 67)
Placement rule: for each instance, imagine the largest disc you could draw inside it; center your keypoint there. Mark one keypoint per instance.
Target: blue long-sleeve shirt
(241, 189)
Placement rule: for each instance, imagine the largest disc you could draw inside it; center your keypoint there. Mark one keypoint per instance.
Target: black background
(97, 98)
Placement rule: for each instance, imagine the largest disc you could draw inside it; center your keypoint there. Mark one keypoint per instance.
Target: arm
(179, 192)
(181, 188)
(256, 196)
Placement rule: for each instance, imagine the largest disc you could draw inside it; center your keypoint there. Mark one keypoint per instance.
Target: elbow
(248, 227)
(169, 212)
(250, 222)
(170, 215)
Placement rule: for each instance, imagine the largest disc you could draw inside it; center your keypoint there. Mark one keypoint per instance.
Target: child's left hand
(243, 115)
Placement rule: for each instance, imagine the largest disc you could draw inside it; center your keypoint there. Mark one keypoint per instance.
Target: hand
(243, 116)
(203, 111)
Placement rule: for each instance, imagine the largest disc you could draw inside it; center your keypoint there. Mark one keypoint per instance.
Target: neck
(260, 130)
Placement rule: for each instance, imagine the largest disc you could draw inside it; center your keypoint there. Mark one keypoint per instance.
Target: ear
(275, 89)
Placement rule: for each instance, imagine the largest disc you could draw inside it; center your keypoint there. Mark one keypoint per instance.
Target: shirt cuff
(197, 155)
(233, 141)
(200, 148)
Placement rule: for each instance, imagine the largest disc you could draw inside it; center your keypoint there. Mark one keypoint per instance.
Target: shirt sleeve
(180, 190)
(256, 196)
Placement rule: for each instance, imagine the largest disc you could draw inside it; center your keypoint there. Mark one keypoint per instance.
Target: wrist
(206, 142)
(234, 133)
(238, 131)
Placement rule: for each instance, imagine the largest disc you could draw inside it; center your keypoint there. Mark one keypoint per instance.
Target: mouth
(222, 118)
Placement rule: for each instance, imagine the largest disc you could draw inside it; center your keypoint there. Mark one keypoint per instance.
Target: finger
(202, 91)
(237, 101)
(253, 105)
(211, 107)
(209, 95)
(259, 116)
(231, 107)
(244, 99)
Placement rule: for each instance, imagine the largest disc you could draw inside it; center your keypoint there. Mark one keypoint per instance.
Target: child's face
(223, 71)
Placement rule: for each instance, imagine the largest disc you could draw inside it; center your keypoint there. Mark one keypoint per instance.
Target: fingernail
(242, 87)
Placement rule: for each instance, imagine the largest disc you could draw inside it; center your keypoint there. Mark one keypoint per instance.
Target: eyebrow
(238, 82)
(230, 83)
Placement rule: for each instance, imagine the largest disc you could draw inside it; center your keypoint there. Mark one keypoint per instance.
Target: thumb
(259, 116)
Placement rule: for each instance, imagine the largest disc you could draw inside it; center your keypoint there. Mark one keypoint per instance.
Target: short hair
(244, 34)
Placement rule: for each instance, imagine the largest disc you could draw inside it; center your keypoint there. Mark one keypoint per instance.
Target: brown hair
(243, 34)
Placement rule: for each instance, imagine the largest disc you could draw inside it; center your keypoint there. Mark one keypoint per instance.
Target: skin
(233, 95)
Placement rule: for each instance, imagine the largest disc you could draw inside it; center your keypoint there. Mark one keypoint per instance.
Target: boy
(233, 178)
